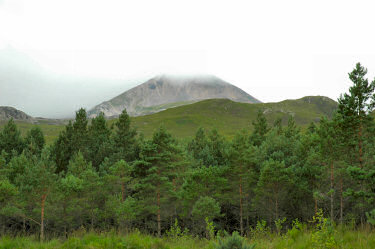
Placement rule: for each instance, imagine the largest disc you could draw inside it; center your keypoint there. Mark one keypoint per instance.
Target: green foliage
(348, 239)
(35, 141)
(78, 165)
(295, 231)
(323, 234)
(175, 232)
(124, 138)
(260, 129)
(206, 208)
(10, 140)
(279, 225)
(7, 191)
(261, 230)
(99, 143)
(96, 178)
(233, 242)
(210, 228)
(371, 217)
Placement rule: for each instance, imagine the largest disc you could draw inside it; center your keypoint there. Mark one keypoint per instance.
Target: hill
(225, 115)
(50, 127)
(7, 112)
(228, 116)
(165, 91)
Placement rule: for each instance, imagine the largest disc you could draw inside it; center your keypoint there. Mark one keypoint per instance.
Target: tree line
(101, 177)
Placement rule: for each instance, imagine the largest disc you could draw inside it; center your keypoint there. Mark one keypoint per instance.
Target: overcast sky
(274, 50)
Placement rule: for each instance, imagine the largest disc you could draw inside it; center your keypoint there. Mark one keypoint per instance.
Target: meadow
(344, 238)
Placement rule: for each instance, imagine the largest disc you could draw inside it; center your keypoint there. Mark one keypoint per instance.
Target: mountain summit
(165, 91)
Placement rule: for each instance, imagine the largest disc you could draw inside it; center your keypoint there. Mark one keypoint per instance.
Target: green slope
(228, 116)
(225, 115)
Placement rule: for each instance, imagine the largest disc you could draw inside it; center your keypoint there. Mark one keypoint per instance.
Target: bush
(371, 217)
(261, 230)
(279, 225)
(175, 232)
(233, 242)
(323, 234)
(295, 231)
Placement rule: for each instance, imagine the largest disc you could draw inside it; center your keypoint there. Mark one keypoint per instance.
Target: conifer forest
(275, 186)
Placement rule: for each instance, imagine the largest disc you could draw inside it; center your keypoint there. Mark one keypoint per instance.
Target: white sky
(274, 50)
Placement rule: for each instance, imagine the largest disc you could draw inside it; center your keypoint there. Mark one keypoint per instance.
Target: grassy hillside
(51, 131)
(228, 116)
(224, 115)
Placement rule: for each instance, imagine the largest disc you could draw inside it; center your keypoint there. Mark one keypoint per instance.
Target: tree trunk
(241, 210)
(122, 191)
(158, 204)
(360, 145)
(92, 221)
(247, 222)
(42, 217)
(277, 208)
(331, 197)
(65, 225)
(316, 206)
(24, 225)
(341, 202)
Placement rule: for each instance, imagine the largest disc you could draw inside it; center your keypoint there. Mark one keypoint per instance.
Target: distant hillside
(167, 91)
(225, 115)
(50, 127)
(229, 117)
(7, 112)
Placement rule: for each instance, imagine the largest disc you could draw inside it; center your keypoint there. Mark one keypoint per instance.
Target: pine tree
(217, 148)
(99, 144)
(271, 187)
(260, 129)
(355, 108)
(80, 132)
(11, 141)
(241, 170)
(121, 174)
(291, 130)
(199, 148)
(155, 171)
(73, 139)
(62, 149)
(35, 141)
(357, 128)
(124, 139)
(38, 181)
(330, 151)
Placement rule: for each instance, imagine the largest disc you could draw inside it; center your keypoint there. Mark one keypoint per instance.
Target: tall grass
(344, 237)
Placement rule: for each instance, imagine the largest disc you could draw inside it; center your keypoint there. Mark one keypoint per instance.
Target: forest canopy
(105, 177)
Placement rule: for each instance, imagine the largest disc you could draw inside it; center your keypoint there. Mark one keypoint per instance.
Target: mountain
(166, 91)
(7, 112)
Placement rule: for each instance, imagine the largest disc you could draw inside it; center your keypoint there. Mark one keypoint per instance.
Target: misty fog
(29, 87)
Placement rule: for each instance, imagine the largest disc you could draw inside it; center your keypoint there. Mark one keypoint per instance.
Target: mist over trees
(101, 177)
